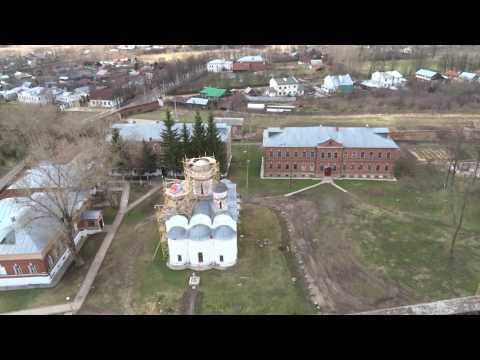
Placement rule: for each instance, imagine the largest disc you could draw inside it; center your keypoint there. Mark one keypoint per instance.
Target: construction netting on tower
(200, 175)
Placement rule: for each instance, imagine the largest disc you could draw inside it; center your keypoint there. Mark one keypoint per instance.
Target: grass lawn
(261, 282)
(68, 286)
(421, 196)
(137, 191)
(398, 232)
(256, 185)
(109, 214)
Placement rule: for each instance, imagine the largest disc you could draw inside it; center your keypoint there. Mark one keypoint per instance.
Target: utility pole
(175, 107)
(248, 165)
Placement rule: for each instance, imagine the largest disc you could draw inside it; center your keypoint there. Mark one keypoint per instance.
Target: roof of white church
(206, 222)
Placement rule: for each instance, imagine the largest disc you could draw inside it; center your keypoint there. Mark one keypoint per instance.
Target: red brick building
(32, 253)
(249, 63)
(317, 152)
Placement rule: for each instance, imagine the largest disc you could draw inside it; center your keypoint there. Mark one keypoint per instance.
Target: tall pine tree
(214, 142)
(198, 137)
(120, 155)
(170, 144)
(186, 142)
(149, 158)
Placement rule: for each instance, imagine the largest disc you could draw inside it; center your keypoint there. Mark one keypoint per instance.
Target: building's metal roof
(153, 130)
(255, 58)
(197, 101)
(219, 61)
(220, 187)
(44, 175)
(91, 215)
(311, 136)
(232, 199)
(427, 73)
(212, 91)
(468, 76)
(202, 207)
(32, 229)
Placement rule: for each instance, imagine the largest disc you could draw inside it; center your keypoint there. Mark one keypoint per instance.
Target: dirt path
(189, 301)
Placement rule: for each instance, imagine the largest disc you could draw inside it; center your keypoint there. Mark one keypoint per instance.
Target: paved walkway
(324, 181)
(102, 252)
(144, 197)
(46, 310)
(444, 307)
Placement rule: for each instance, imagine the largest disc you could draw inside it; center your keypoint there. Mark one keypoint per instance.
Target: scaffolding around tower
(179, 195)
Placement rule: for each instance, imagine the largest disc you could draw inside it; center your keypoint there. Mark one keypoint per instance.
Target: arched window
(3, 270)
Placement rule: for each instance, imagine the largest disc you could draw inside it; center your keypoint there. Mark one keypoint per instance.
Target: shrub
(405, 166)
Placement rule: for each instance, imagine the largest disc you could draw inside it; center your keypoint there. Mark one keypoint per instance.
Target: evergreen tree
(198, 137)
(186, 142)
(170, 143)
(149, 158)
(121, 157)
(214, 142)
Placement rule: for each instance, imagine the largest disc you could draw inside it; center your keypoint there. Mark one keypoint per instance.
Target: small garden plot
(426, 154)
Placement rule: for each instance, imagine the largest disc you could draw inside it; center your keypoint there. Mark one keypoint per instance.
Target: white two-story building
(37, 96)
(287, 86)
(219, 65)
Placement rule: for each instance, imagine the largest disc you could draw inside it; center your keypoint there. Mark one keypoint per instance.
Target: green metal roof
(212, 92)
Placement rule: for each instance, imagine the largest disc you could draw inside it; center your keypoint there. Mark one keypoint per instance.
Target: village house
(69, 99)
(219, 65)
(428, 75)
(249, 63)
(387, 79)
(212, 92)
(37, 96)
(151, 132)
(338, 83)
(104, 98)
(467, 76)
(197, 102)
(337, 152)
(286, 86)
(236, 125)
(452, 74)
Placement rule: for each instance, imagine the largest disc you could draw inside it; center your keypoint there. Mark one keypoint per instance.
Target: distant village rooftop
(152, 131)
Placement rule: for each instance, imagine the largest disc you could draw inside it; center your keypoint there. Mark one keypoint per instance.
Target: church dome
(224, 232)
(201, 165)
(200, 232)
(177, 233)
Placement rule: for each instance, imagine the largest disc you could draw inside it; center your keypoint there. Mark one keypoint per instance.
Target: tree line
(175, 145)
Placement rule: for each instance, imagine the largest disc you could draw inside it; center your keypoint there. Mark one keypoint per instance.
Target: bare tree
(59, 191)
(466, 196)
